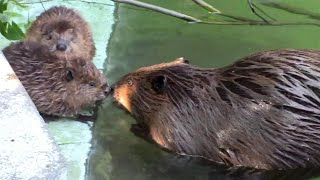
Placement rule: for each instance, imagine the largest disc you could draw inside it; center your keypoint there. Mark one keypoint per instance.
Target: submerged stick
(159, 9)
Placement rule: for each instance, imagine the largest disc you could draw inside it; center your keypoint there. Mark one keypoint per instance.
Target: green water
(142, 38)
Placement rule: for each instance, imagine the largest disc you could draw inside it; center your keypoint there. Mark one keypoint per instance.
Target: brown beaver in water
(57, 87)
(263, 111)
(64, 32)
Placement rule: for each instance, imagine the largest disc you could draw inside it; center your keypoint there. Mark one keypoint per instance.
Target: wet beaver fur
(263, 111)
(64, 32)
(57, 87)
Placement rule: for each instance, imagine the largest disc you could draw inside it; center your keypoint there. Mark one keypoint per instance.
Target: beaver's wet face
(144, 92)
(57, 87)
(127, 91)
(85, 83)
(64, 32)
(61, 37)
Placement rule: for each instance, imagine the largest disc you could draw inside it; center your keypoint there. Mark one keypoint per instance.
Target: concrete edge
(27, 149)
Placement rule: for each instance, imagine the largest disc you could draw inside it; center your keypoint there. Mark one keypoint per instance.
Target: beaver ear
(69, 75)
(159, 83)
(186, 61)
(44, 27)
(182, 60)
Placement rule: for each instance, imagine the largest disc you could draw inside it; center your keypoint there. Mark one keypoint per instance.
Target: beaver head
(146, 82)
(159, 96)
(64, 32)
(57, 87)
(261, 112)
(84, 83)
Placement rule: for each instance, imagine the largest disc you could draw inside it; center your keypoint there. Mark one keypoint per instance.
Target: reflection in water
(142, 38)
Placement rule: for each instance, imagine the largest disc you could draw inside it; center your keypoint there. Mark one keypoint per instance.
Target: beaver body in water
(64, 32)
(57, 87)
(263, 111)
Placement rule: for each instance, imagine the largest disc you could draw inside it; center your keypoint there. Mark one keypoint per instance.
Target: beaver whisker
(173, 95)
(144, 103)
(182, 92)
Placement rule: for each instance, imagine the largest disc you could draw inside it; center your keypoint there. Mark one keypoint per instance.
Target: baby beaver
(64, 32)
(57, 87)
(263, 111)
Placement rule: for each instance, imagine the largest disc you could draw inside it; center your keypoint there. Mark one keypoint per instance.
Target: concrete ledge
(27, 150)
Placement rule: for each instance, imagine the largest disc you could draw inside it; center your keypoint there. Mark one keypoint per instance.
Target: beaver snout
(61, 47)
(108, 90)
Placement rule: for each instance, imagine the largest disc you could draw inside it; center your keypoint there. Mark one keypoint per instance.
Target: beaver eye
(130, 82)
(93, 84)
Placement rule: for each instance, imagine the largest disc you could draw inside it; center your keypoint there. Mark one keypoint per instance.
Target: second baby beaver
(262, 111)
(64, 32)
(57, 87)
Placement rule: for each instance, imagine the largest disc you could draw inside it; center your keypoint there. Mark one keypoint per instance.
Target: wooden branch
(41, 1)
(160, 10)
(206, 6)
(262, 23)
(240, 20)
(92, 2)
(89, 2)
(294, 10)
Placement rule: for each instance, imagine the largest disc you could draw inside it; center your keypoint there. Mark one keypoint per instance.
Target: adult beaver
(263, 111)
(64, 32)
(57, 87)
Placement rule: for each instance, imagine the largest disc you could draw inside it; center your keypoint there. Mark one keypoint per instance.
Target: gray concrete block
(27, 150)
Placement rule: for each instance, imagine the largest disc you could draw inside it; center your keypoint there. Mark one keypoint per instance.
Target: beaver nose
(61, 47)
(108, 90)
